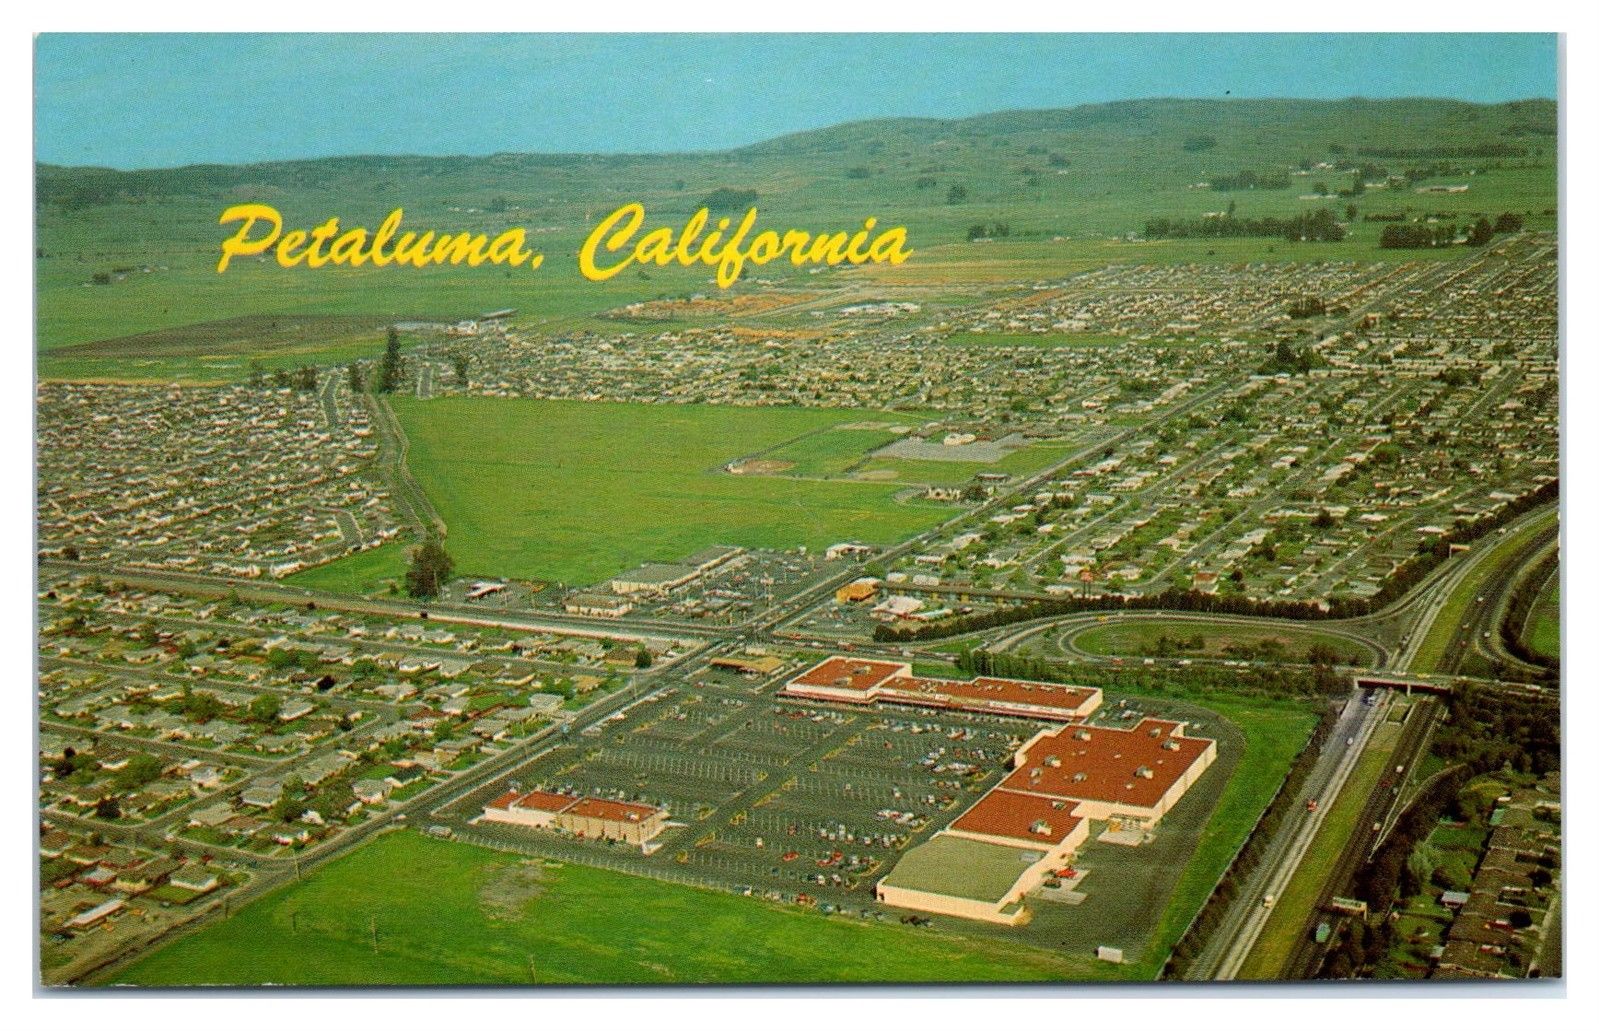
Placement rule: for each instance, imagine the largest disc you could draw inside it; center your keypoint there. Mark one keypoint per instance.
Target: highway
(1227, 948)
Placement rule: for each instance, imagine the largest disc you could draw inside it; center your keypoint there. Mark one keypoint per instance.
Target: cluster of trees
(729, 199)
(1287, 360)
(1320, 225)
(1489, 730)
(1195, 144)
(1249, 855)
(982, 231)
(1416, 235)
(1475, 150)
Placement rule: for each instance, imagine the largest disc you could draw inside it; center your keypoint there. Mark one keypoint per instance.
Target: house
(372, 792)
(263, 795)
(193, 877)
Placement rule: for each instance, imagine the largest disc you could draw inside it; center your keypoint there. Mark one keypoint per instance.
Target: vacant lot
(220, 350)
(449, 913)
(575, 492)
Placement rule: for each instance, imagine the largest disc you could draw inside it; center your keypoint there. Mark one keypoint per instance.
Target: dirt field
(248, 334)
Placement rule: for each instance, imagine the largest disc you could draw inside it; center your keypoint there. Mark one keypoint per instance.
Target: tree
(108, 809)
(356, 374)
(430, 569)
(643, 660)
(460, 362)
(265, 708)
(389, 372)
(957, 194)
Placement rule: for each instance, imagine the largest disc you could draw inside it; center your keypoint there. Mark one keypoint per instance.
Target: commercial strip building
(869, 681)
(1028, 827)
(581, 816)
(658, 579)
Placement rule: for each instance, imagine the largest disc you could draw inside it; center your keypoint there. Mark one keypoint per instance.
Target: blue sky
(145, 101)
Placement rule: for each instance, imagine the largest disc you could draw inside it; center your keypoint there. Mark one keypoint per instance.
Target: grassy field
(1543, 633)
(575, 492)
(1293, 911)
(1141, 637)
(1021, 462)
(830, 452)
(1435, 646)
(362, 573)
(450, 913)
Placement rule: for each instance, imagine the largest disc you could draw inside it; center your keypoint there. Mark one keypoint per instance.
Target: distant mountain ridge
(1522, 119)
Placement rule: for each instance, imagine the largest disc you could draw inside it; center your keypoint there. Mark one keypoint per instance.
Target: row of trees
(1406, 576)
(1513, 630)
(1418, 235)
(1315, 681)
(1320, 225)
(1248, 179)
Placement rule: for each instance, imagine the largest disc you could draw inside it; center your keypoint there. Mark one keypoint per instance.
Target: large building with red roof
(870, 681)
(579, 815)
(1032, 823)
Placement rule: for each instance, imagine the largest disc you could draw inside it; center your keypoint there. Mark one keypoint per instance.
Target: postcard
(809, 510)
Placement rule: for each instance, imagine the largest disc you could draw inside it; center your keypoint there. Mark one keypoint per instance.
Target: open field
(1020, 462)
(1199, 638)
(361, 573)
(830, 452)
(1543, 626)
(574, 492)
(451, 913)
(222, 350)
(1288, 919)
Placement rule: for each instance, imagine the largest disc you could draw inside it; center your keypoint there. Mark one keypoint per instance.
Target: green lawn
(575, 492)
(1140, 637)
(361, 573)
(450, 913)
(832, 451)
(1543, 633)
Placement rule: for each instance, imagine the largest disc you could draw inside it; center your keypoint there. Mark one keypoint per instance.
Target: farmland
(576, 492)
(449, 913)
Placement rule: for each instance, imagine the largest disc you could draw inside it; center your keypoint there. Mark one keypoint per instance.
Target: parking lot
(812, 804)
